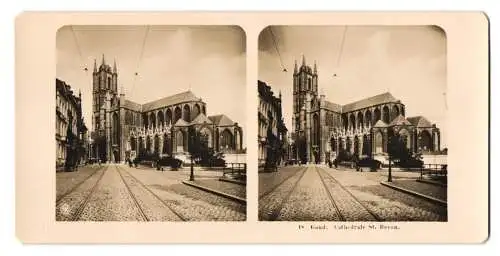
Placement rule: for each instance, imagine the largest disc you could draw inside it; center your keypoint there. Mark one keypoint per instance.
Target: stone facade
(123, 128)
(322, 128)
(71, 131)
(271, 127)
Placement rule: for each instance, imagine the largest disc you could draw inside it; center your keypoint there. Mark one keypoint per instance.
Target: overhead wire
(79, 49)
(341, 50)
(342, 46)
(277, 49)
(136, 74)
(82, 60)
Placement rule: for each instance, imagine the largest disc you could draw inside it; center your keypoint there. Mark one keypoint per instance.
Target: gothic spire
(95, 65)
(103, 62)
(114, 66)
(315, 69)
(303, 60)
(295, 68)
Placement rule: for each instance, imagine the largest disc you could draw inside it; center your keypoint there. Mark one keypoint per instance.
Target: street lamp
(389, 178)
(191, 175)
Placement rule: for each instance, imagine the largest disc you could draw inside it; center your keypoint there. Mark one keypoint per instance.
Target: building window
(378, 143)
(227, 139)
(180, 141)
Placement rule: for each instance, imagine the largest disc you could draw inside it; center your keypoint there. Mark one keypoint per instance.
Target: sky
(208, 60)
(407, 61)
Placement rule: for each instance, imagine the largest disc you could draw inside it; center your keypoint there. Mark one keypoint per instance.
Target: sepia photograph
(163, 137)
(352, 123)
(150, 123)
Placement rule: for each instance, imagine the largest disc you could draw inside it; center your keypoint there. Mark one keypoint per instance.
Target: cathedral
(322, 128)
(123, 128)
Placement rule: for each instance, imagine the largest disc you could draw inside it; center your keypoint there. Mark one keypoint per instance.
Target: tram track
(275, 214)
(78, 213)
(132, 196)
(334, 204)
(62, 196)
(303, 169)
(142, 212)
(372, 214)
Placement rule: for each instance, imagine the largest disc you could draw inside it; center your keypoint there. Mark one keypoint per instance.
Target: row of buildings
(71, 131)
(322, 129)
(272, 132)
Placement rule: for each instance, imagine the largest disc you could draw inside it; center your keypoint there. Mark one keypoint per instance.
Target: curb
(426, 197)
(226, 195)
(433, 183)
(233, 181)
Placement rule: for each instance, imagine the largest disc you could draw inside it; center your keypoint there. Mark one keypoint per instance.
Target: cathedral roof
(333, 106)
(182, 97)
(201, 119)
(419, 121)
(380, 124)
(221, 120)
(181, 122)
(132, 105)
(400, 120)
(371, 101)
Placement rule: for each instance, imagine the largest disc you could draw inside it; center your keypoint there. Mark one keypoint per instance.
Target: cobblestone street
(318, 193)
(119, 193)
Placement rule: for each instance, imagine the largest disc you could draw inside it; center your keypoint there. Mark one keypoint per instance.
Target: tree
(272, 150)
(397, 149)
(197, 144)
(444, 151)
(400, 153)
(70, 151)
(201, 152)
(344, 155)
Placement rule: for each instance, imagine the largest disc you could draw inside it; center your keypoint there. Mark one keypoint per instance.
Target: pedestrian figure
(356, 164)
(335, 162)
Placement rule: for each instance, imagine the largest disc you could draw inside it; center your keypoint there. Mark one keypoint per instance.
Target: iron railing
(434, 170)
(238, 169)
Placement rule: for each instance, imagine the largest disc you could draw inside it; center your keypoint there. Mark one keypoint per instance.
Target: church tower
(104, 97)
(305, 90)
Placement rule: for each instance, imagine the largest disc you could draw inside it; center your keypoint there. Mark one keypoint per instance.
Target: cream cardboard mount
(325, 104)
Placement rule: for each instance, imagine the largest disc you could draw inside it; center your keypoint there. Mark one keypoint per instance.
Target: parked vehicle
(292, 162)
(411, 163)
(170, 161)
(369, 162)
